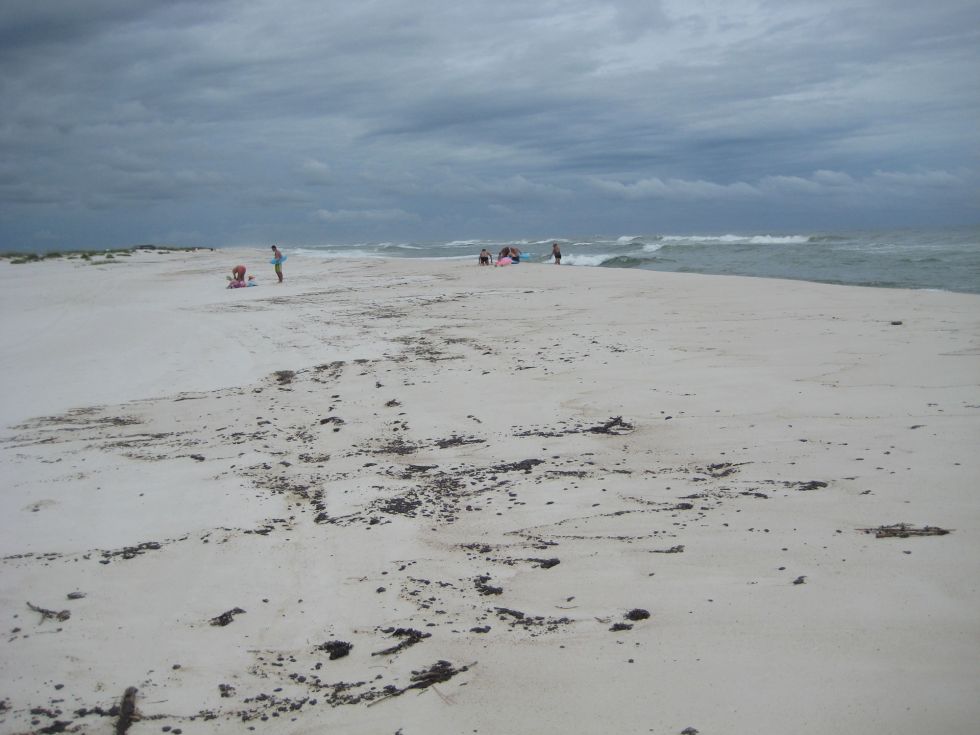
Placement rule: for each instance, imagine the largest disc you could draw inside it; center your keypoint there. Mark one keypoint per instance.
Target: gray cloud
(369, 215)
(678, 189)
(234, 121)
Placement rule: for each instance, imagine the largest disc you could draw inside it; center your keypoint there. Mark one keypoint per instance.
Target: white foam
(577, 259)
(334, 254)
(741, 239)
(704, 238)
(779, 239)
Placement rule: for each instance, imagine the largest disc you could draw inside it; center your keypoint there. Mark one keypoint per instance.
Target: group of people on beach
(508, 255)
(238, 280)
(511, 255)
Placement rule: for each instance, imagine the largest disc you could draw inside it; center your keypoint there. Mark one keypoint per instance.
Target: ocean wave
(308, 252)
(741, 239)
(947, 259)
(624, 261)
(398, 246)
(703, 238)
(635, 239)
(346, 253)
(592, 260)
(779, 239)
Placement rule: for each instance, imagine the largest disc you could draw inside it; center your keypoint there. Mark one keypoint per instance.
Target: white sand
(322, 504)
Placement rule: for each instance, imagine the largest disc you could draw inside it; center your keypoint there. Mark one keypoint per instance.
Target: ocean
(941, 259)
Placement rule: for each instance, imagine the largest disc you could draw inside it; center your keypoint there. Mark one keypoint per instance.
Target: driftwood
(904, 530)
(127, 711)
(458, 441)
(525, 464)
(409, 637)
(679, 549)
(226, 617)
(438, 672)
(545, 563)
(61, 615)
(616, 422)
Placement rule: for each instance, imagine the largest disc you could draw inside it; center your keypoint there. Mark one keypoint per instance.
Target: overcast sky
(319, 121)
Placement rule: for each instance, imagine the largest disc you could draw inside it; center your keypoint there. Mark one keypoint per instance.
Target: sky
(306, 122)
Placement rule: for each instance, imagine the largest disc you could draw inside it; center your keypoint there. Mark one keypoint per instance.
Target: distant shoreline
(18, 257)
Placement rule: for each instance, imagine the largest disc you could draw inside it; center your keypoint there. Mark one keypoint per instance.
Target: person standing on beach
(556, 253)
(277, 262)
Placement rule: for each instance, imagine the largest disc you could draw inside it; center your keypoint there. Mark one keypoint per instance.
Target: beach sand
(428, 497)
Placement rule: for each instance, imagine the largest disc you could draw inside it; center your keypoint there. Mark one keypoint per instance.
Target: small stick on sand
(904, 530)
(62, 615)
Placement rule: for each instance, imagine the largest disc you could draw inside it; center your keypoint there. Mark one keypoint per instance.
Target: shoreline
(622, 252)
(505, 465)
